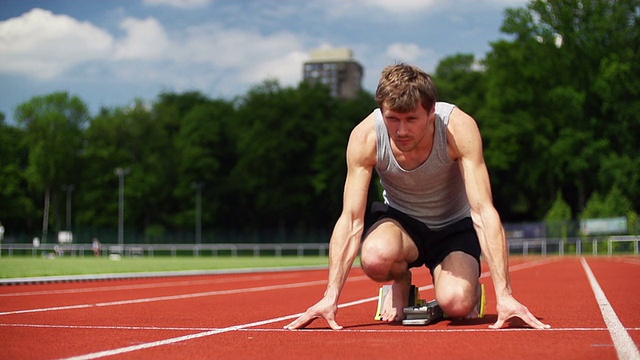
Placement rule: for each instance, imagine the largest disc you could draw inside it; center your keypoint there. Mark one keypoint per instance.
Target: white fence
(541, 246)
(575, 246)
(301, 249)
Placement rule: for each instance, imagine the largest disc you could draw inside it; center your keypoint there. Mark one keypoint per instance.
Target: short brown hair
(402, 87)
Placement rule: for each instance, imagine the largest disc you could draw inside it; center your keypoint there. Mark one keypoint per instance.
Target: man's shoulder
(367, 126)
(461, 129)
(363, 139)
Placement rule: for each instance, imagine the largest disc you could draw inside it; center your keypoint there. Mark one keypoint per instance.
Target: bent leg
(385, 256)
(456, 285)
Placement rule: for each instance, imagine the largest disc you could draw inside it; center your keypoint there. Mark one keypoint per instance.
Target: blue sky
(110, 52)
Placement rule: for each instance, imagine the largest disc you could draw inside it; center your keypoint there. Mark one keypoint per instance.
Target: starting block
(420, 311)
(423, 315)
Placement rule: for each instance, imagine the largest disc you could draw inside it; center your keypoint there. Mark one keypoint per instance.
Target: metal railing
(576, 246)
(131, 250)
(533, 246)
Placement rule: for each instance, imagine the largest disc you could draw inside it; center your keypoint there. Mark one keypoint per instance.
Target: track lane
(102, 292)
(617, 278)
(541, 287)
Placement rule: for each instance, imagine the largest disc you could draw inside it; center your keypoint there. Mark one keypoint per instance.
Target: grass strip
(20, 267)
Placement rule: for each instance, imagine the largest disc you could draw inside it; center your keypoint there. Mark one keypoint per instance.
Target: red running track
(241, 316)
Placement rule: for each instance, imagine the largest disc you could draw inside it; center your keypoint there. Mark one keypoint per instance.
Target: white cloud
(243, 50)
(145, 40)
(210, 55)
(43, 45)
(181, 4)
(287, 69)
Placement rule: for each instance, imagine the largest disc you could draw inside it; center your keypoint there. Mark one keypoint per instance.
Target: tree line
(557, 102)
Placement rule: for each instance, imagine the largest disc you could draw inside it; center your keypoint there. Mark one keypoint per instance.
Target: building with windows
(337, 69)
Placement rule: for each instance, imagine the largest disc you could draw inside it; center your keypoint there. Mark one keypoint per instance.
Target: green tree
(53, 127)
(206, 156)
(18, 208)
(615, 204)
(277, 132)
(558, 218)
(552, 93)
(129, 137)
(460, 80)
(329, 161)
(107, 141)
(560, 210)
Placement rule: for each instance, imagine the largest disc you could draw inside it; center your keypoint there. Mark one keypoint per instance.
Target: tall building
(336, 68)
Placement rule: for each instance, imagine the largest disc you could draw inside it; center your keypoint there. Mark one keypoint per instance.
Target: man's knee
(457, 299)
(456, 283)
(387, 251)
(377, 261)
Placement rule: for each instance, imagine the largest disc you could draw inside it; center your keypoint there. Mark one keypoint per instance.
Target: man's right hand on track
(324, 308)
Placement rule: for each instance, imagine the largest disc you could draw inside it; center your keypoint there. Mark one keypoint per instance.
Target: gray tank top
(434, 192)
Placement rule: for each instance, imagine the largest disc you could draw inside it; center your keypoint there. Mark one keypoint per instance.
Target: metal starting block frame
(423, 315)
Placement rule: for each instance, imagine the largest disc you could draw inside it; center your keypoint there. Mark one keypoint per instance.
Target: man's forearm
(499, 265)
(494, 248)
(343, 250)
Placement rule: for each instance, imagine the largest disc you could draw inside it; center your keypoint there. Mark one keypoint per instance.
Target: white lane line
(632, 261)
(414, 329)
(419, 329)
(625, 347)
(176, 297)
(127, 349)
(534, 263)
(107, 327)
(143, 286)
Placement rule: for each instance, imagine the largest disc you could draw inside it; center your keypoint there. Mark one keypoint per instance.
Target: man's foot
(478, 311)
(396, 300)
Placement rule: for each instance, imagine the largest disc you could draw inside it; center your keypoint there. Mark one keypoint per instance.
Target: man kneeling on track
(438, 209)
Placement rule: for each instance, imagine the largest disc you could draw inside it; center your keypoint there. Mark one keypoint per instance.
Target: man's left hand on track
(509, 307)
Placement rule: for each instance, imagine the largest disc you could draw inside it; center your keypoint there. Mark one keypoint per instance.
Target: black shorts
(433, 246)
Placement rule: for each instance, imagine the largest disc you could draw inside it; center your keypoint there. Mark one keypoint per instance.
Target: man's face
(407, 129)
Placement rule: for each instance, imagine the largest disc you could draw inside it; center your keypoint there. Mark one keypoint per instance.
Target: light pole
(69, 190)
(198, 186)
(121, 172)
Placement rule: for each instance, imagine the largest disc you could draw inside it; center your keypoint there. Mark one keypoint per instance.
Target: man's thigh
(388, 239)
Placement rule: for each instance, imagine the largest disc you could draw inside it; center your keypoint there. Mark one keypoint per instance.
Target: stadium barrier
(530, 246)
(576, 245)
(173, 250)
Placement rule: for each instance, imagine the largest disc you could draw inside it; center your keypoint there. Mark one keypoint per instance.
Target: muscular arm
(347, 233)
(466, 145)
(467, 142)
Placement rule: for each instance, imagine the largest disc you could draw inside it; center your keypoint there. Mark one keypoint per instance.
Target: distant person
(1, 237)
(59, 252)
(438, 209)
(96, 246)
